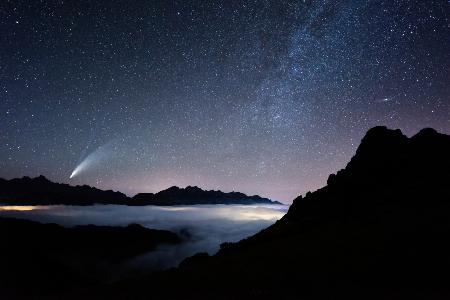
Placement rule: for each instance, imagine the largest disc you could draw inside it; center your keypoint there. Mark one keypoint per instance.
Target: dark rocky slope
(44, 259)
(379, 230)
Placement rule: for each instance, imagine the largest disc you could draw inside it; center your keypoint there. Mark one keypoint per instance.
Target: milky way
(263, 97)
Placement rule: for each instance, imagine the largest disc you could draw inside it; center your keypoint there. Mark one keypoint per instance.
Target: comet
(94, 159)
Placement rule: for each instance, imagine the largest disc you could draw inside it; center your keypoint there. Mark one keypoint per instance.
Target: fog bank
(204, 227)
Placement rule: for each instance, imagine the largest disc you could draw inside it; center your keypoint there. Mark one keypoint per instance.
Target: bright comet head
(82, 166)
(76, 171)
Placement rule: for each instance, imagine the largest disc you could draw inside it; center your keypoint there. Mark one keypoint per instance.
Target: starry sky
(262, 97)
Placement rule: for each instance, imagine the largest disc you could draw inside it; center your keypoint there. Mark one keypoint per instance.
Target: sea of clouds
(203, 227)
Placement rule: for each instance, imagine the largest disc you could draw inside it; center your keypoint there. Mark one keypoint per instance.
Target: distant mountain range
(195, 195)
(41, 191)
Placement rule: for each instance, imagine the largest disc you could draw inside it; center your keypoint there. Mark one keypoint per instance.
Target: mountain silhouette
(379, 229)
(49, 258)
(41, 191)
(195, 195)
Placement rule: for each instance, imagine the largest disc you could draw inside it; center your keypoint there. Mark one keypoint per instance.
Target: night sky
(262, 97)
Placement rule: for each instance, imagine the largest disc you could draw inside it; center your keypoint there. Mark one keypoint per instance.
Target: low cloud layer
(204, 227)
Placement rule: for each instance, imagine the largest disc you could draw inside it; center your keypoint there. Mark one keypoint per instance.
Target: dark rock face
(378, 230)
(44, 259)
(41, 191)
(387, 169)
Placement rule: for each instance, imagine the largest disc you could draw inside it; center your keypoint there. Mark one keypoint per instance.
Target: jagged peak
(381, 145)
(425, 134)
(193, 188)
(385, 163)
(40, 178)
(172, 188)
(380, 136)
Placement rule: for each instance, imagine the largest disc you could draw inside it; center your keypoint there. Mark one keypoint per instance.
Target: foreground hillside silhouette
(46, 259)
(379, 230)
(41, 191)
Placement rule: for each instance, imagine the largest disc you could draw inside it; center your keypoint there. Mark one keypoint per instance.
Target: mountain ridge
(41, 191)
